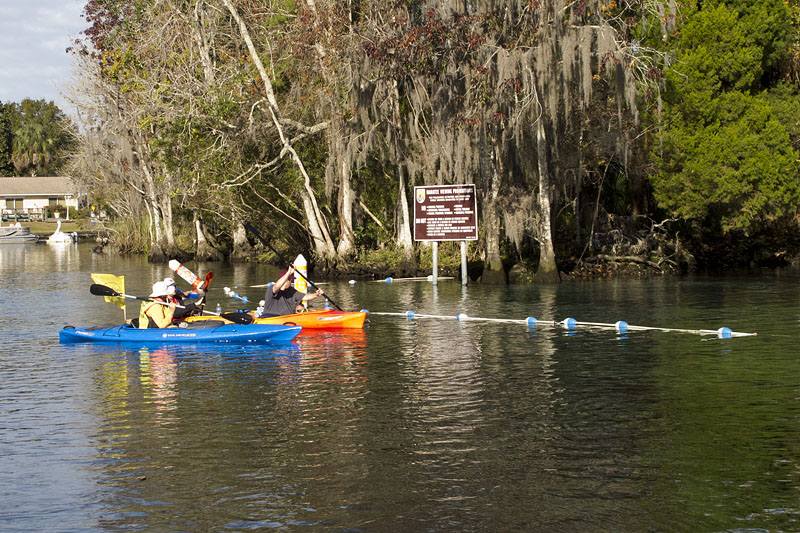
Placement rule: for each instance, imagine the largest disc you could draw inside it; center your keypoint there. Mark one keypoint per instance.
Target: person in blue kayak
(186, 304)
(283, 299)
(158, 311)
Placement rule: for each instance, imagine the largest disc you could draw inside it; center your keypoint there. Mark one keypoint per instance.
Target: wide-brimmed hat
(159, 289)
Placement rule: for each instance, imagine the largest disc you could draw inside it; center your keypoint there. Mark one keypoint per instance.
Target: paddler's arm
(278, 285)
(163, 318)
(312, 295)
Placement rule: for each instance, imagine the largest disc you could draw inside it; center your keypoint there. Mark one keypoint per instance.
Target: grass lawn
(50, 227)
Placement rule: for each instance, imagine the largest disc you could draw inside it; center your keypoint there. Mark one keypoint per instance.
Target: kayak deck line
(209, 331)
(571, 324)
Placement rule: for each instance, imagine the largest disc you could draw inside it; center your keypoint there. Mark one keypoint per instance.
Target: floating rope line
(571, 324)
(233, 294)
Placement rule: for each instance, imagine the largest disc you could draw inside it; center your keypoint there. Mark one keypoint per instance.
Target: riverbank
(84, 229)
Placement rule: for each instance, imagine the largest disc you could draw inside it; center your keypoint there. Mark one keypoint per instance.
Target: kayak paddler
(153, 314)
(179, 298)
(283, 299)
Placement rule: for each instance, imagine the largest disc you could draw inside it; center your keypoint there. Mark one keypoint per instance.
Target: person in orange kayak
(283, 299)
(153, 313)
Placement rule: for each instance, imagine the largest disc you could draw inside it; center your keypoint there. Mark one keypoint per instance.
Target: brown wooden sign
(445, 213)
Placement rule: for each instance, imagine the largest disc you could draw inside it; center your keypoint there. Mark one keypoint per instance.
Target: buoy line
(571, 324)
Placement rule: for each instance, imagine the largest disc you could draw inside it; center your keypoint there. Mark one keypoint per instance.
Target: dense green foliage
(36, 138)
(6, 139)
(728, 156)
(572, 119)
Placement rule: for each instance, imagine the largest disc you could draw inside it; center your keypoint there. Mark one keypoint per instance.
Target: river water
(426, 424)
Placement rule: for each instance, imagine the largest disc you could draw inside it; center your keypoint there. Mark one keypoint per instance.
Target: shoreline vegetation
(642, 255)
(603, 138)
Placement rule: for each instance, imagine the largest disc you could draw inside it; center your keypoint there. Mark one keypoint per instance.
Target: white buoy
(569, 323)
(462, 316)
(352, 282)
(301, 266)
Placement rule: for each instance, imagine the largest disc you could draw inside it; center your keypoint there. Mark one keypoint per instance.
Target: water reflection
(62, 254)
(408, 424)
(158, 376)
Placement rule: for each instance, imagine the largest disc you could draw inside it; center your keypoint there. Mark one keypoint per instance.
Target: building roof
(38, 186)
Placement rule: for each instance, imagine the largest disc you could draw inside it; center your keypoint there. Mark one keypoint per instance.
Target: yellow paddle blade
(114, 282)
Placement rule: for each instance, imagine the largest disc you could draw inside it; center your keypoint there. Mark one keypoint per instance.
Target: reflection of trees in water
(179, 421)
(158, 373)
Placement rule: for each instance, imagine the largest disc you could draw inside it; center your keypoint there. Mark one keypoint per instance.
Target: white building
(31, 198)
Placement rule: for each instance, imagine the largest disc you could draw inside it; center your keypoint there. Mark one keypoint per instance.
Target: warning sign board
(445, 213)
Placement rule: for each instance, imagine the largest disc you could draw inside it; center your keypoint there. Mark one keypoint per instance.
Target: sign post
(446, 213)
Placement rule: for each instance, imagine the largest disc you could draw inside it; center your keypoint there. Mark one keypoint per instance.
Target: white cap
(171, 287)
(159, 289)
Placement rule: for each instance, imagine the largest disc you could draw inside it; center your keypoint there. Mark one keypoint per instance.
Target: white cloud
(34, 36)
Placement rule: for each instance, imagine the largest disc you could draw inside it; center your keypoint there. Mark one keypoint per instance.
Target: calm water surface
(408, 425)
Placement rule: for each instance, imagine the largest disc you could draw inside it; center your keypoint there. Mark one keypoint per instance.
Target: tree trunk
(242, 251)
(205, 252)
(323, 244)
(404, 239)
(492, 167)
(547, 271)
(347, 239)
(493, 271)
(163, 247)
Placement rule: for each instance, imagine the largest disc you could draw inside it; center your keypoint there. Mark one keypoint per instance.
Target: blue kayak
(208, 331)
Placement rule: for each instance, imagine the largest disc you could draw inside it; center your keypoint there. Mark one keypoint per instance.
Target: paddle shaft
(280, 256)
(102, 290)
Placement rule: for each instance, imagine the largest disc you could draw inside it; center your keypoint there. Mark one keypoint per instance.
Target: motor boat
(17, 234)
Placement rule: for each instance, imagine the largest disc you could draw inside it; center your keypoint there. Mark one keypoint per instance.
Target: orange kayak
(319, 319)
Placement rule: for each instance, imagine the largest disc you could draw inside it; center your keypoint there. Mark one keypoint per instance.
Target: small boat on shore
(319, 319)
(17, 235)
(202, 331)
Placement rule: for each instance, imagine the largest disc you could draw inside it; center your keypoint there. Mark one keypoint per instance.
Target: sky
(34, 35)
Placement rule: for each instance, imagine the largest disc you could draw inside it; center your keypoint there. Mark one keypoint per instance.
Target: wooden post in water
(435, 251)
(463, 262)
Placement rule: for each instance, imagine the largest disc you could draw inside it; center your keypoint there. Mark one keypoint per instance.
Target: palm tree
(39, 137)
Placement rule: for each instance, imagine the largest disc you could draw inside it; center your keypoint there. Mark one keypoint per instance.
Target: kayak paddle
(276, 252)
(102, 290)
(191, 278)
